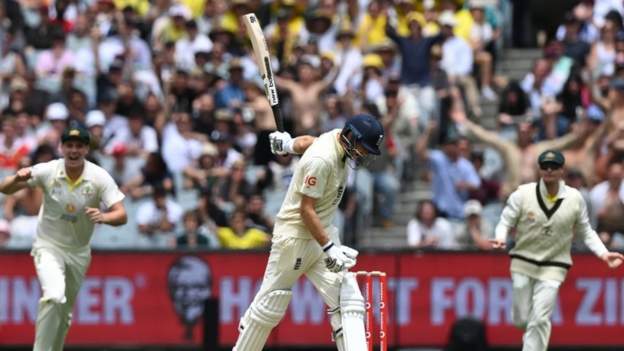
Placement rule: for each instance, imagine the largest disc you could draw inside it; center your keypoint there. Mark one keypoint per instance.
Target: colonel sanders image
(189, 280)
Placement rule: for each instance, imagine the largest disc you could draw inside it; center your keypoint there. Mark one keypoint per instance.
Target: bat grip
(277, 114)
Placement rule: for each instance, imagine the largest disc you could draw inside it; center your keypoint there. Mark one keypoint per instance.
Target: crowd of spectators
(171, 93)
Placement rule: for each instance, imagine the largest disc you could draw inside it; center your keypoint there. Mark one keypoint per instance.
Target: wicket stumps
(383, 314)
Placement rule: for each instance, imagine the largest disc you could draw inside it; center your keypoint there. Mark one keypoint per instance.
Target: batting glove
(336, 259)
(281, 143)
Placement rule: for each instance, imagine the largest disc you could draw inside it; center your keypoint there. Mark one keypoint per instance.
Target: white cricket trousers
(533, 303)
(60, 272)
(292, 257)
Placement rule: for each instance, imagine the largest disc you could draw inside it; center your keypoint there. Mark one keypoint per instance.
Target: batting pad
(259, 320)
(352, 314)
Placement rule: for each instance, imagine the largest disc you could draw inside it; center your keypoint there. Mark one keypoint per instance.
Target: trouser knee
(520, 322)
(539, 323)
(54, 294)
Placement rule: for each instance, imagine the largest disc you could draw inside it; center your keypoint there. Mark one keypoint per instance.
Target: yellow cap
(329, 55)
(416, 16)
(373, 60)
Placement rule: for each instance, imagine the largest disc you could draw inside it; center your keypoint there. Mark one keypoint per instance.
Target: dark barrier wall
(139, 298)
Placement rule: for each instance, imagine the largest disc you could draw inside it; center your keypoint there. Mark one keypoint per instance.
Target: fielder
(304, 242)
(545, 214)
(74, 189)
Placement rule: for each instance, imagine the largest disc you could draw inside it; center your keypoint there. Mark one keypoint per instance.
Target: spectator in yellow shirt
(372, 28)
(172, 27)
(238, 236)
(140, 6)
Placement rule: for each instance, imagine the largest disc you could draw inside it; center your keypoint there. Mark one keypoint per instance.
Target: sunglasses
(547, 166)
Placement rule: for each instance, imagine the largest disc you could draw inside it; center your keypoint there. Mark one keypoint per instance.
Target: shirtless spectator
(305, 93)
(523, 150)
(263, 120)
(582, 155)
(607, 204)
(612, 149)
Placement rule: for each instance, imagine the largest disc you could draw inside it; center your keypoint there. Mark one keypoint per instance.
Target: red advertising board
(139, 298)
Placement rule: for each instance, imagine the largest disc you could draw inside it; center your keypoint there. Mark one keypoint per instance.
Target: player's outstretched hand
(281, 143)
(613, 259)
(95, 215)
(335, 258)
(23, 174)
(498, 244)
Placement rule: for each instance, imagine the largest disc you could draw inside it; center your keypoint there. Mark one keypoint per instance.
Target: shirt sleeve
(470, 174)
(436, 158)
(258, 238)
(150, 140)
(414, 236)
(109, 192)
(39, 172)
(174, 212)
(590, 237)
(315, 174)
(144, 214)
(509, 217)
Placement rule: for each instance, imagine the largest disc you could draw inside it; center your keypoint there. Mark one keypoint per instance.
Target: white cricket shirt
(544, 231)
(62, 218)
(321, 173)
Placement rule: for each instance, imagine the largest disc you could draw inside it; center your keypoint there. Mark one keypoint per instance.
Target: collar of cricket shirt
(62, 174)
(560, 194)
(341, 151)
(542, 193)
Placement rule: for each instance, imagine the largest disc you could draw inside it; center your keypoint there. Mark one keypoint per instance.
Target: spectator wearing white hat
(55, 122)
(476, 231)
(96, 121)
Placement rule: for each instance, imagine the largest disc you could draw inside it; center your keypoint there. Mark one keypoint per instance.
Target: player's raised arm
(16, 182)
(282, 143)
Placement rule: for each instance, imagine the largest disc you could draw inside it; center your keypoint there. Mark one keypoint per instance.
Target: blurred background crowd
(171, 94)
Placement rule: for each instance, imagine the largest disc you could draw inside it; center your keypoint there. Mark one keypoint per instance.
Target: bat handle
(279, 121)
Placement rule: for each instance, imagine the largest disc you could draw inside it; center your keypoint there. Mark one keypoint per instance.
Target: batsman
(305, 242)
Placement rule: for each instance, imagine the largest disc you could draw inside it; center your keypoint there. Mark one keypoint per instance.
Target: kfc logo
(310, 181)
(189, 281)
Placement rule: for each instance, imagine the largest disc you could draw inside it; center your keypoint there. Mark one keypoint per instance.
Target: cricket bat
(263, 58)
